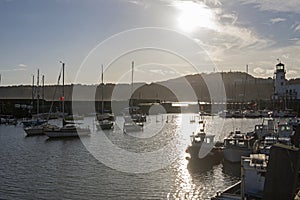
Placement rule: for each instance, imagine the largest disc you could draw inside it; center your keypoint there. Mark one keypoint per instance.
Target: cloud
(19, 69)
(259, 70)
(212, 2)
(226, 34)
(275, 5)
(22, 65)
(292, 73)
(142, 3)
(233, 44)
(229, 18)
(277, 20)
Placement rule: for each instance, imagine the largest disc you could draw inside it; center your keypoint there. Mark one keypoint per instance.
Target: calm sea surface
(101, 166)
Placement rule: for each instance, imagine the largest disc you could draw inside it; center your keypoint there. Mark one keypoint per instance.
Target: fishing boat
(253, 170)
(263, 176)
(236, 145)
(283, 134)
(105, 120)
(270, 128)
(202, 150)
(67, 130)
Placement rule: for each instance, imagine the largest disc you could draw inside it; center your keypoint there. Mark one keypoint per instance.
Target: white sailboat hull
(34, 131)
(61, 133)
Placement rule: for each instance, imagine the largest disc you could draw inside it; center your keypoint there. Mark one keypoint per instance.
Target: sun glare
(194, 15)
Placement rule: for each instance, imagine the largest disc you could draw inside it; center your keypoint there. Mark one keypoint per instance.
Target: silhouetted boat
(203, 152)
(105, 120)
(236, 145)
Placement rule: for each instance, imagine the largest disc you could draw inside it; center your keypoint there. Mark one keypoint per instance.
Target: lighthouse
(280, 81)
(284, 89)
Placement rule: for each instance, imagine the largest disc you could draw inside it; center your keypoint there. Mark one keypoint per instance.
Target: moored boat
(202, 151)
(263, 176)
(132, 126)
(37, 130)
(225, 114)
(236, 145)
(105, 124)
(33, 122)
(66, 131)
(105, 120)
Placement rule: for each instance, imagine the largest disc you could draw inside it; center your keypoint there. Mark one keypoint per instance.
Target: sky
(164, 38)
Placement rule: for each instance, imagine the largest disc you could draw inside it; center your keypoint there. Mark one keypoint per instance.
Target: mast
(245, 83)
(38, 92)
(102, 92)
(43, 92)
(63, 88)
(132, 69)
(32, 90)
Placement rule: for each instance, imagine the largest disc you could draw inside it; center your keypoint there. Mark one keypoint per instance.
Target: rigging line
(58, 80)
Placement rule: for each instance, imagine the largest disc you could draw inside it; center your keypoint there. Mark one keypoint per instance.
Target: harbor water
(78, 168)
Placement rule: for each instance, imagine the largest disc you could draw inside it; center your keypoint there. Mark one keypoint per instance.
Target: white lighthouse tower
(280, 81)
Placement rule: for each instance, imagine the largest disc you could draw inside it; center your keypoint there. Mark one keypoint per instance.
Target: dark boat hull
(213, 157)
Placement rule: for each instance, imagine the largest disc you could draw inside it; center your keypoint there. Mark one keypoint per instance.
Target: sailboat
(133, 120)
(105, 120)
(67, 130)
(34, 121)
(36, 127)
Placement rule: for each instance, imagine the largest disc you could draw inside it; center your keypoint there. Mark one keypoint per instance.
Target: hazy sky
(188, 37)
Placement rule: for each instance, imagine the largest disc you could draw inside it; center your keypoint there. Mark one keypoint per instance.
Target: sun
(195, 15)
